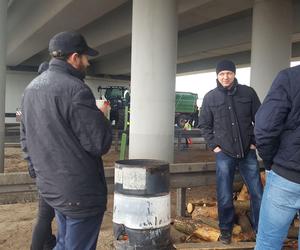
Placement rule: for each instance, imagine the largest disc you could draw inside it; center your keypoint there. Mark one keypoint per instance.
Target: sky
(201, 83)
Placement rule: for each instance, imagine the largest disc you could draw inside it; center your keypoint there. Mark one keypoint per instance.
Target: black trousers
(42, 237)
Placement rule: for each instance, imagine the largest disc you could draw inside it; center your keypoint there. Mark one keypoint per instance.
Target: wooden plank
(215, 246)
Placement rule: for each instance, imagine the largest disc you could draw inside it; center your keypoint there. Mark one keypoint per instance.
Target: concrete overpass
(144, 41)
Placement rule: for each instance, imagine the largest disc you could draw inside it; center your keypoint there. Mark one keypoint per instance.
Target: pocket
(218, 110)
(243, 106)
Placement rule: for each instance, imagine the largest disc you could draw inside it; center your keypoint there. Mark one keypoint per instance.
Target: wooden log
(244, 222)
(237, 186)
(205, 211)
(207, 233)
(244, 194)
(191, 205)
(263, 177)
(186, 226)
(296, 222)
(197, 229)
(242, 237)
(241, 206)
(293, 232)
(215, 224)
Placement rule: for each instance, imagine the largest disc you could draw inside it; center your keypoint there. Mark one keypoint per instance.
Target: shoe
(225, 237)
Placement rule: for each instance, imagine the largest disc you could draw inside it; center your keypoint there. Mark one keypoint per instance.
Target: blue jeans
(281, 201)
(249, 170)
(77, 234)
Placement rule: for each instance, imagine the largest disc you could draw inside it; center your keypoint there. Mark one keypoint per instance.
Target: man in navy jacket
(65, 135)
(277, 131)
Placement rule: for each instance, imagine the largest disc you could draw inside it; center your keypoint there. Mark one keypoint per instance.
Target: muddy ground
(17, 220)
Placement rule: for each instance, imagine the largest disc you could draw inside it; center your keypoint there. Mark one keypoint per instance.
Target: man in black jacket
(226, 121)
(65, 135)
(277, 132)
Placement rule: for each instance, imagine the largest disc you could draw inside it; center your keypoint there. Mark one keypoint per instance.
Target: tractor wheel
(121, 117)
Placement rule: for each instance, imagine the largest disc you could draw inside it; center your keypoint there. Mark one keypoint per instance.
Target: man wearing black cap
(65, 135)
(226, 121)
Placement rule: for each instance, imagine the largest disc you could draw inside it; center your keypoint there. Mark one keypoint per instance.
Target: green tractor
(186, 109)
(119, 98)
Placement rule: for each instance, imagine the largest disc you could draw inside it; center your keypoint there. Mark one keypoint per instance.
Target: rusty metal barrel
(142, 213)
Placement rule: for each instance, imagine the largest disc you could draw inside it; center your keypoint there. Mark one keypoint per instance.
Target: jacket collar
(63, 66)
(230, 91)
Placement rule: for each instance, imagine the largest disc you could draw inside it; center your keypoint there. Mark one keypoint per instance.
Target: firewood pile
(201, 223)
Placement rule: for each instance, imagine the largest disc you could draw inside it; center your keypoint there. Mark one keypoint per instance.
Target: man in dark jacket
(277, 134)
(42, 237)
(226, 121)
(65, 135)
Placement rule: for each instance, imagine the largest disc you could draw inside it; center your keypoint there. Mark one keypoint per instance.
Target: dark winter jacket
(277, 127)
(64, 135)
(227, 117)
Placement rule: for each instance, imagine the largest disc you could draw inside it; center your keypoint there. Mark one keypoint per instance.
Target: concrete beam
(37, 28)
(3, 40)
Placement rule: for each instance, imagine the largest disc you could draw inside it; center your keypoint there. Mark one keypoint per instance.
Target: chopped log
(186, 226)
(296, 222)
(293, 232)
(290, 244)
(237, 186)
(215, 224)
(244, 194)
(205, 211)
(263, 177)
(241, 206)
(244, 222)
(207, 233)
(203, 203)
(242, 237)
(197, 229)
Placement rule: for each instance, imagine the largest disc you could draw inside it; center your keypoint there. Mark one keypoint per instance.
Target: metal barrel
(142, 212)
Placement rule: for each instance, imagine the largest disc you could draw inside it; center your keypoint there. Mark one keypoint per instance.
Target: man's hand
(252, 146)
(217, 149)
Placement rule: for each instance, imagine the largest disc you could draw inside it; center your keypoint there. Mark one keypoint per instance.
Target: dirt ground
(17, 220)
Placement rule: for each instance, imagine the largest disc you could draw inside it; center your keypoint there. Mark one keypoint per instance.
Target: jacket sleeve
(24, 148)
(270, 119)
(255, 106)
(89, 124)
(206, 122)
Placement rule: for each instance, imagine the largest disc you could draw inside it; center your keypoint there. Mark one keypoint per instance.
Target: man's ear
(73, 60)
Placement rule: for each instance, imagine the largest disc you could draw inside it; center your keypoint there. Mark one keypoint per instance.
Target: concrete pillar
(271, 42)
(3, 15)
(153, 72)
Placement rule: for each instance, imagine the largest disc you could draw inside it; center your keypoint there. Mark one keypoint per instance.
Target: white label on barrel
(134, 178)
(142, 212)
(118, 175)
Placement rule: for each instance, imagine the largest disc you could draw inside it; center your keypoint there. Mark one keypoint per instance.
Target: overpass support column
(271, 42)
(3, 15)
(153, 72)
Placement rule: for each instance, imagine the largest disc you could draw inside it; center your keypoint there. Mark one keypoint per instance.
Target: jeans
(281, 202)
(79, 233)
(42, 237)
(225, 170)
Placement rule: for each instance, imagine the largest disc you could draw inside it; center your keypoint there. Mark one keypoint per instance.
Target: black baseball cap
(67, 42)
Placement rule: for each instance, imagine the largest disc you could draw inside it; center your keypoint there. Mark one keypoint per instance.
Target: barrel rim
(142, 163)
